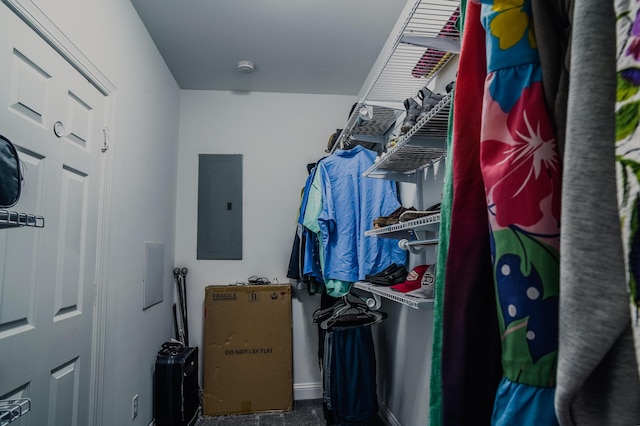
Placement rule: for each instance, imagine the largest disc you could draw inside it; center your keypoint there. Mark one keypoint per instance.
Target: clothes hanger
(346, 313)
(322, 314)
(339, 306)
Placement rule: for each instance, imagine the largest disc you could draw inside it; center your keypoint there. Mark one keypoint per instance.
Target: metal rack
(416, 246)
(402, 231)
(13, 219)
(406, 230)
(12, 409)
(422, 146)
(373, 130)
(425, 43)
(387, 293)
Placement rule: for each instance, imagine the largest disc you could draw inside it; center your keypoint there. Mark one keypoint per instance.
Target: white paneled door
(47, 276)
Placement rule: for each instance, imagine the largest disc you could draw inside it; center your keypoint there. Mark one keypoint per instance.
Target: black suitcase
(176, 400)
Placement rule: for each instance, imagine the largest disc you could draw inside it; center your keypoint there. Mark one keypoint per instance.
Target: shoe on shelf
(413, 111)
(450, 86)
(386, 271)
(415, 214)
(426, 93)
(429, 100)
(393, 218)
(398, 276)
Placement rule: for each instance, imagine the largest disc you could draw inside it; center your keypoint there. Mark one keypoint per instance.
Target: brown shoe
(415, 214)
(393, 218)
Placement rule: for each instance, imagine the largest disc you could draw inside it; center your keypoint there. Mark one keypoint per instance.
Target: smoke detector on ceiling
(245, 66)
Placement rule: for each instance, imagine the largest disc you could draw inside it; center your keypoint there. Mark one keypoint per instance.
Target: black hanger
(345, 313)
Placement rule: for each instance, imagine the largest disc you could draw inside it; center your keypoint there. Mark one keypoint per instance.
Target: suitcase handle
(171, 345)
(171, 348)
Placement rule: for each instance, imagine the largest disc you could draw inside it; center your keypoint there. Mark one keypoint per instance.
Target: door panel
(70, 273)
(29, 90)
(47, 275)
(63, 395)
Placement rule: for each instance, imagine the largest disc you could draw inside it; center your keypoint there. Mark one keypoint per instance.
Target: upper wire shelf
(423, 46)
(13, 219)
(422, 146)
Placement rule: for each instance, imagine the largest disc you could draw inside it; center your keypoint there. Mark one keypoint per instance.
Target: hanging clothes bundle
(338, 205)
(348, 364)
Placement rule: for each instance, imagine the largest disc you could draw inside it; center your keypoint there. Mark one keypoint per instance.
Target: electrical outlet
(134, 407)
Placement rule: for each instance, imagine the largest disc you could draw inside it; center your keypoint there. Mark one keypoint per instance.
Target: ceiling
(297, 46)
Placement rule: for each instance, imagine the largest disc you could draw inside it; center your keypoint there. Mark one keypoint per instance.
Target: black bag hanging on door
(10, 176)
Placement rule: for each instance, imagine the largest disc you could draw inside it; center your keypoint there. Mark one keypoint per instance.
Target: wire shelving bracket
(13, 219)
(12, 409)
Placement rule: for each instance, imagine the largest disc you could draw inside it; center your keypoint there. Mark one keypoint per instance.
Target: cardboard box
(247, 349)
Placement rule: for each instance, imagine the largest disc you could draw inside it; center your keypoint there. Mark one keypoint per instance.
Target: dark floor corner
(305, 413)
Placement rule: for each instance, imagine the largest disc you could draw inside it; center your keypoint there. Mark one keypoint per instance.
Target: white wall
(403, 356)
(277, 135)
(144, 143)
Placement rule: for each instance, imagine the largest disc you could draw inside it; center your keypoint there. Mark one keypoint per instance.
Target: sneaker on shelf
(415, 214)
(429, 100)
(393, 218)
(413, 111)
(395, 277)
(450, 86)
(386, 271)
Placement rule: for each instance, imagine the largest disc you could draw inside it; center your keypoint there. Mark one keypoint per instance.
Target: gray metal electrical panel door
(220, 206)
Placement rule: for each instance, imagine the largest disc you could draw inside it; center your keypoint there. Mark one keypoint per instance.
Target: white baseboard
(387, 416)
(307, 391)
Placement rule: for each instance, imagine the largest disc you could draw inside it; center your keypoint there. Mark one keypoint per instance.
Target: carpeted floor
(305, 413)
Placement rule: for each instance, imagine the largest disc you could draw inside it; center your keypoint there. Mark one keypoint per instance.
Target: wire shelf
(383, 119)
(13, 409)
(424, 45)
(406, 229)
(422, 146)
(388, 293)
(409, 66)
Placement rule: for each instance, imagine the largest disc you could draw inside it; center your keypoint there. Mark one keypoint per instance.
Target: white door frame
(44, 27)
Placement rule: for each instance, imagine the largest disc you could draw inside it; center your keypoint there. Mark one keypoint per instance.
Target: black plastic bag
(10, 174)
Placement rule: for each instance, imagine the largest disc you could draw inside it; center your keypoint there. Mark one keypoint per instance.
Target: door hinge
(105, 141)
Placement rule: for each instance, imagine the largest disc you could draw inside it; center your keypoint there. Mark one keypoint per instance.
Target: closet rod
(405, 244)
(371, 302)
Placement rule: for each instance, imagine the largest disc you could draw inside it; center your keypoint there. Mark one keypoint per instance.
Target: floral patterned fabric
(522, 176)
(628, 148)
